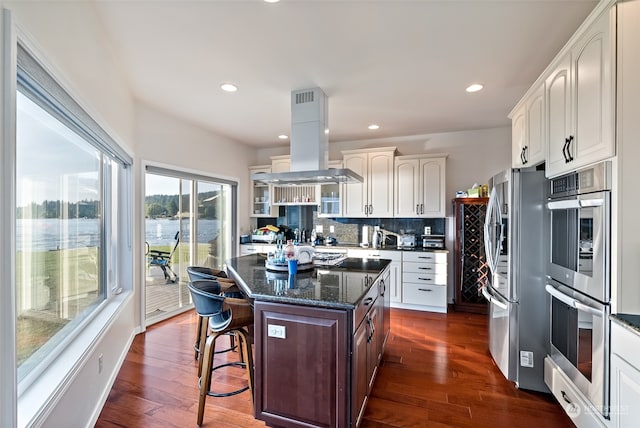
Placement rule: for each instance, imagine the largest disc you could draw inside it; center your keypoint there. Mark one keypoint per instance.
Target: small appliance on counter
(407, 242)
(433, 242)
(365, 237)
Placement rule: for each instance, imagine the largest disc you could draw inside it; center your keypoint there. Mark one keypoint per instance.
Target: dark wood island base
(318, 343)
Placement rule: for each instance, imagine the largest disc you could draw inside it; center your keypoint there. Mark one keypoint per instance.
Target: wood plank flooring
(436, 372)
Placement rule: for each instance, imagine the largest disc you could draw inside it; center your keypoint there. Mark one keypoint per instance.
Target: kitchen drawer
(246, 249)
(574, 403)
(424, 278)
(395, 256)
(364, 305)
(423, 256)
(424, 294)
(425, 267)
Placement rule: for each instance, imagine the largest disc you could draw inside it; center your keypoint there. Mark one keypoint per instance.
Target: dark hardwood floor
(436, 372)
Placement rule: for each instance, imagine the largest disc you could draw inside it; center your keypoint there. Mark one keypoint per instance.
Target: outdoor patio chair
(162, 259)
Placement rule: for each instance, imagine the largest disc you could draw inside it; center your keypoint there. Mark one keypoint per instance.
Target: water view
(54, 234)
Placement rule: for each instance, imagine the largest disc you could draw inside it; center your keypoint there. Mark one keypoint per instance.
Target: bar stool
(226, 315)
(228, 288)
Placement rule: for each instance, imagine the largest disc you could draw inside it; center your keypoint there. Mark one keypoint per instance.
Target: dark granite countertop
(348, 246)
(340, 286)
(630, 321)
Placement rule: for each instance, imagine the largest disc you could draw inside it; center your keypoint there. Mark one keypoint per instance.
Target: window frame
(30, 401)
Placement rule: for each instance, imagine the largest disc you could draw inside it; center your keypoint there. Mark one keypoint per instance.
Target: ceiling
(403, 65)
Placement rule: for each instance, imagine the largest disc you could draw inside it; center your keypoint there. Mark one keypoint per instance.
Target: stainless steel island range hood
(309, 145)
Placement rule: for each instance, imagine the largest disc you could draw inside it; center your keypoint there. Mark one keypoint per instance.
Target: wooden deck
(164, 298)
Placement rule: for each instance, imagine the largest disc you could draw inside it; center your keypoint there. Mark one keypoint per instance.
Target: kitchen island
(319, 338)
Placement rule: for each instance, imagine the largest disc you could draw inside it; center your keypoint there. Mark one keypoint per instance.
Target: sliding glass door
(189, 221)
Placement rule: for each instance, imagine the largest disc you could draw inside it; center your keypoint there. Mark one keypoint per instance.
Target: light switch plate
(278, 331)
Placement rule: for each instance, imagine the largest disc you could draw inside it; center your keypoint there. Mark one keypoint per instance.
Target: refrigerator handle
(489, 241)
(492, 299)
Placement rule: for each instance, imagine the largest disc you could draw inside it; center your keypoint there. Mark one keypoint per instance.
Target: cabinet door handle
(424, 289)
(368, 301)
(417, 209)
(366, 210)
(522, 155)
(421, 208)
(565, 151)
(569, 147)
(370, 209)
(525, 149)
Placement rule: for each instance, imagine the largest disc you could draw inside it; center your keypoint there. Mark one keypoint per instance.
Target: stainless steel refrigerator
(516, 244)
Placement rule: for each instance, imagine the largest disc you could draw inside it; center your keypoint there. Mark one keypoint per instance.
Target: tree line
(168, 206)
(60, 209)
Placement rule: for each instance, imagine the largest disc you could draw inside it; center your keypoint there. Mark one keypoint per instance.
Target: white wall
(473, 157)
(168, 140)
(66, 36)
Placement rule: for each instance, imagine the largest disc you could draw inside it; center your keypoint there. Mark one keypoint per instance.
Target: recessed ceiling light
(228, 87)
(272, 1)
(282, 136)
(373, 127)
(475, 87)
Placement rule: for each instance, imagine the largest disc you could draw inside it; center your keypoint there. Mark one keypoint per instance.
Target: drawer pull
(426, 258)
(565, 397)
(425, 268)
(425, 279)
(424, 289)
(368, 301)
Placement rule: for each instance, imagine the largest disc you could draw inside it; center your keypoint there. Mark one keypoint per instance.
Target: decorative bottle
(289, 250)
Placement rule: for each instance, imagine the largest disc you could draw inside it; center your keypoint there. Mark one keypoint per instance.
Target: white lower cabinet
(395, 268)
(424, 281)
(246, 249)
(625, 377)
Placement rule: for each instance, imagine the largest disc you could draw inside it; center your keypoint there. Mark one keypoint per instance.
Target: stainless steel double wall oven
(579, 279)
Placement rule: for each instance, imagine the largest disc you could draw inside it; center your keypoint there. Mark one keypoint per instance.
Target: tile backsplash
(349, 230)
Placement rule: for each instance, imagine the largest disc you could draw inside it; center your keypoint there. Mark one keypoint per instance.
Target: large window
(69, 195)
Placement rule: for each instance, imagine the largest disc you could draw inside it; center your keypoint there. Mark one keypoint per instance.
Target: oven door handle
(571, 301)
(492, 299)
(574, 203)
(588, 309)
(560, 296)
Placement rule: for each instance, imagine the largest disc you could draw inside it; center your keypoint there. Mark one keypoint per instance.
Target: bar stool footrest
(226, 394)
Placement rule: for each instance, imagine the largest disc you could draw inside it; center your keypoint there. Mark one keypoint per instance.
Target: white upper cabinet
(260, 194)
(527, 131)
(331, 196)
(579, 100)
(419, 186)
(558, 91)
(518, 132)
(373, 197)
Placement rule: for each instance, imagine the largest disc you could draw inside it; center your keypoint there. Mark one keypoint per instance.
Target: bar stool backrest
(208, 302)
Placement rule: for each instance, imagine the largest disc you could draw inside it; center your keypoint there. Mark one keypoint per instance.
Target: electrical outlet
(526, 358)
(332, 229)
(100, 363)
(278, 331)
